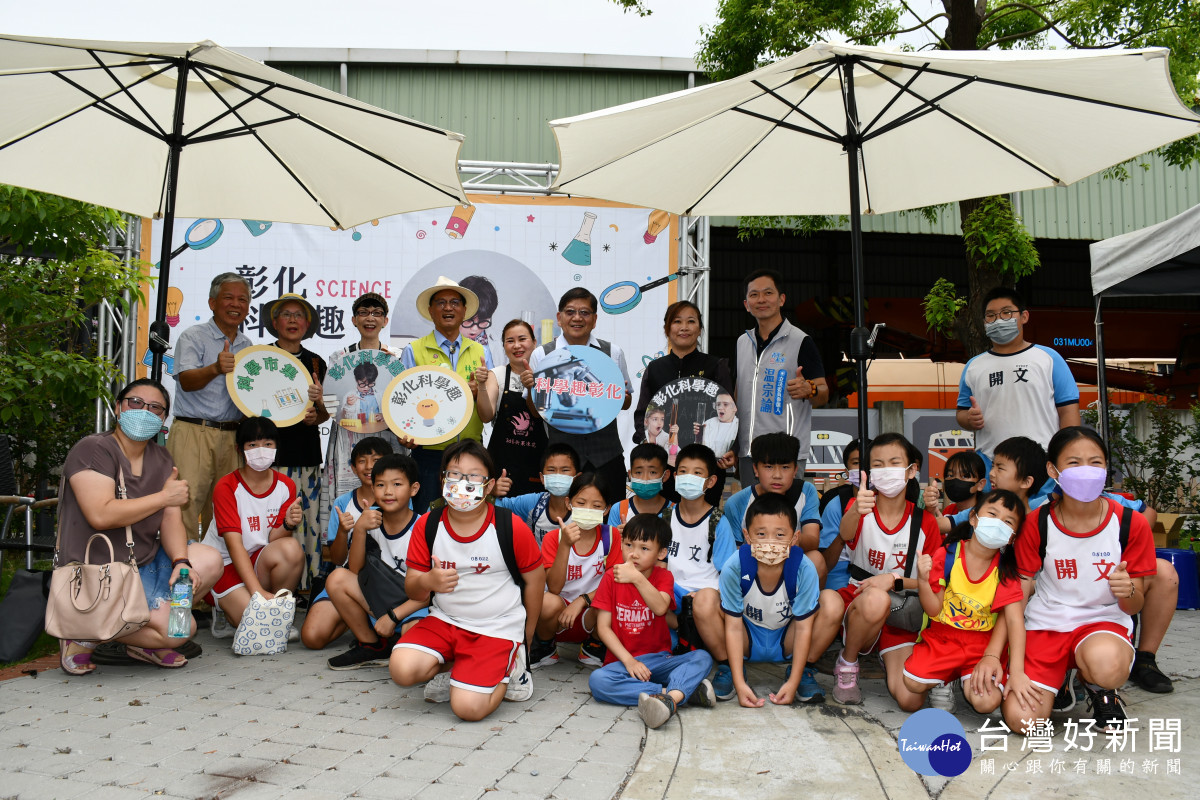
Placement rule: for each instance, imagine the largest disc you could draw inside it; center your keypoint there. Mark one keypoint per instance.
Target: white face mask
(587, 518)
(889, 481)
(260, 458)
(690, 487)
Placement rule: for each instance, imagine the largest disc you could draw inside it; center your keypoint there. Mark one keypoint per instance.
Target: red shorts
(578, 632)
(478, 663)
(889, 638)
(230, 579)
(1049, 654)
(945, 653)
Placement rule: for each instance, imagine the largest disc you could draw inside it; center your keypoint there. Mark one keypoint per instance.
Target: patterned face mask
(461, 495)
(769, 553)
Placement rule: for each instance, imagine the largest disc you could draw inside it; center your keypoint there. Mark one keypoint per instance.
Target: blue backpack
(791, 570)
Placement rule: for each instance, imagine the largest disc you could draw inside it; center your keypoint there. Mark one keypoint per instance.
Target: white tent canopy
(1161, 259)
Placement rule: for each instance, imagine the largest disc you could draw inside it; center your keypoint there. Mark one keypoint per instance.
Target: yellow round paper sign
(269, 382)
(428, 404)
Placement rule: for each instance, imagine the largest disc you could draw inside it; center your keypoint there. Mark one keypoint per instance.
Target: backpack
(663, 513)
(791, 569)
(604, 346)
(539, 508)
(1043, 529)
(504, 533)
(714, 517)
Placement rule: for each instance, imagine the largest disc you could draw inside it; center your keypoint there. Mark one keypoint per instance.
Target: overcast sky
(559, 26)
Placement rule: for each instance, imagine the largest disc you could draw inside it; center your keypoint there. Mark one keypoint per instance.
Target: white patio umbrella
(837, 129)
(196, 130)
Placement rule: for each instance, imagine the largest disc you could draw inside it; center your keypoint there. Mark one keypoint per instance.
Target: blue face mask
(557, 485)
(647, 489)
(139, 424)
(690, 487)
(992, 533)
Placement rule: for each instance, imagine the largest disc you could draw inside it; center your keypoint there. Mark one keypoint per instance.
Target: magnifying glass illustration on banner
(199, 235)
(625, 295)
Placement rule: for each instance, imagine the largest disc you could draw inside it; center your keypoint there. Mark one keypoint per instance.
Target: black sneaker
(543, 654)
(592, 653)
(1107, 708)
(1065, 699)
(361, 655)
(1146, 674)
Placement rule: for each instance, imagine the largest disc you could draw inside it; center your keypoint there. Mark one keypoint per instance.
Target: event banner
(518, 254)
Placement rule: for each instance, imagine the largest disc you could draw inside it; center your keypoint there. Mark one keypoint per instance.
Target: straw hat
(271, 309)
(425, 297)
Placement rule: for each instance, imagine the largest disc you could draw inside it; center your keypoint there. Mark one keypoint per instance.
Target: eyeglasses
(1004, 313)
(453, 302)
(373, 313)
(453, 476)
(582, 313)
(474, 322)
(293, 315)
(137, 403)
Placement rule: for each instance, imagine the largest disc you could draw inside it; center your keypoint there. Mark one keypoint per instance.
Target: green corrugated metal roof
(503, 106)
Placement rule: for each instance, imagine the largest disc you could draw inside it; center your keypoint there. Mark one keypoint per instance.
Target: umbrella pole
(158, 329)
(860, 351)
(1101, 378)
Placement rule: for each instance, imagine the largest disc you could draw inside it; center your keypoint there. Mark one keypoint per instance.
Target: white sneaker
(437, 690)
(221, 629)
(293, 633)
(942, 696)
(520, 680)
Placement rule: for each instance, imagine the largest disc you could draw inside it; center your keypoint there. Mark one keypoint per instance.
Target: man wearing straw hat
(291, 319)
(201, 437)
(446, 305)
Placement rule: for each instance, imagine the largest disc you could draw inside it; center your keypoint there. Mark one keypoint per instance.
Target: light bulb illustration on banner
(174, 301)
(655, 225)
(579, 251)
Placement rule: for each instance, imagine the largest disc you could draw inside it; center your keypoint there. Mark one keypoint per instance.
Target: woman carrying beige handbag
(142, 524)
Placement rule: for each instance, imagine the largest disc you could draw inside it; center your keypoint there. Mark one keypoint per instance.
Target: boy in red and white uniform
(877, 530)
(479, 618)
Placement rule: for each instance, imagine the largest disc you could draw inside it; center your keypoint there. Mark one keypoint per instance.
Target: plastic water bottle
(179, 625)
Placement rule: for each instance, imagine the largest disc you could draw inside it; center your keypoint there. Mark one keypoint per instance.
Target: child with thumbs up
(1086, 560)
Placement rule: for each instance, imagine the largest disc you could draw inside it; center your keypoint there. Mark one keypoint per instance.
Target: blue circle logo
(933, 742)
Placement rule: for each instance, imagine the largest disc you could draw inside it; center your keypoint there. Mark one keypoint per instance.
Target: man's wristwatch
(898, 585)
(391, 613)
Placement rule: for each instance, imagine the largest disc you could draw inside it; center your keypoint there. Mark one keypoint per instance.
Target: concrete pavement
(285, 725)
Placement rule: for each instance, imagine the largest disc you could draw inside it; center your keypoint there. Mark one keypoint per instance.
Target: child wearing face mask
(482, 567)
(877, 530)
(255, 513)
(541, 510)
(648, 468)
(575, 556)
(1087, 561)
(769, 594)
(972, 595)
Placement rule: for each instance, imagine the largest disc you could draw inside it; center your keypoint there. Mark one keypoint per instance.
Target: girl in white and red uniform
(1085, 587)
(254, 515)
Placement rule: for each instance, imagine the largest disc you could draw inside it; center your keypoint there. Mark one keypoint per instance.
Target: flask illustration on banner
(579, 251)
(655, 225)
(456, 227)
(174, 301)
(257, 227)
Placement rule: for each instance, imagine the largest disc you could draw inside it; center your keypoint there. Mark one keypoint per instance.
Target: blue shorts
(766, 646)
(156, 579)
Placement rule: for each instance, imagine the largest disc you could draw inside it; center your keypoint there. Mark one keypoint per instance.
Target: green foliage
(942, 305)
(995, 236)
(1160, 468)
(637, 6)
(754, 227)
(50, 375)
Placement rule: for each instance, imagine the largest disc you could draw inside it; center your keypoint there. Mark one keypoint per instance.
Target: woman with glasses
(518, 437)
(120, 479)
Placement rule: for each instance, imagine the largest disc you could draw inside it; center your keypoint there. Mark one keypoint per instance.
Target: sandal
(166, 658)
(78, 662)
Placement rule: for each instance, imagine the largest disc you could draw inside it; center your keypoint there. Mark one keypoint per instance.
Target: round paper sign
(269, 382)
(428, 404)
(698, 410)
(358, 380)
(578, 389)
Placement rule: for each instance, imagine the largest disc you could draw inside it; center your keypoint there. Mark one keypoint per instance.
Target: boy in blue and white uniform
(542, 510)
(648, 468)
(769, 593)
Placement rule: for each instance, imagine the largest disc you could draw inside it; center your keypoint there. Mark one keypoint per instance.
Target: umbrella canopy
(1160, 259)
(196, 130)
(96, 121)
(837, 129)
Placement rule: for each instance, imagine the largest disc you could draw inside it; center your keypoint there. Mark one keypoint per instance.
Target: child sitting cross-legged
(769, 593)
(972, 594)
(632, 602)
(485, 569)
(380, 614)
(575, 556)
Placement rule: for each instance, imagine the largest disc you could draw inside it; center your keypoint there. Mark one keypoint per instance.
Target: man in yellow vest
(446, 305)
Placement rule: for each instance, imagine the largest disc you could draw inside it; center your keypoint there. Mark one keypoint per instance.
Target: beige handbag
(97, 602)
